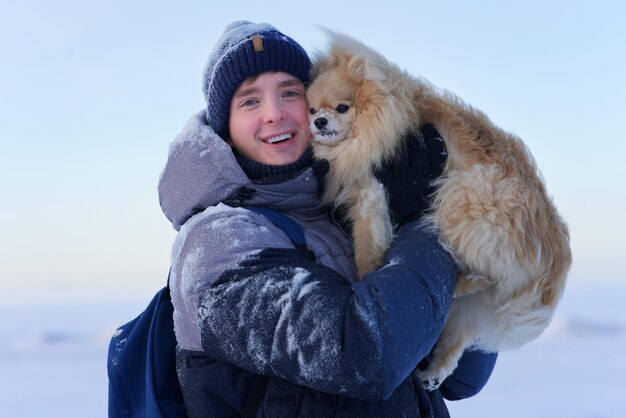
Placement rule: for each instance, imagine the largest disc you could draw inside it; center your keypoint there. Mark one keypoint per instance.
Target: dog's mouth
(325, 136)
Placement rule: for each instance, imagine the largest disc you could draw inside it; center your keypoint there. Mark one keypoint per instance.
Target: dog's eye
(312, 110)
(342, 108)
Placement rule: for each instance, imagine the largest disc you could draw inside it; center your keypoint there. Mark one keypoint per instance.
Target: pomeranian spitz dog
(490, 209)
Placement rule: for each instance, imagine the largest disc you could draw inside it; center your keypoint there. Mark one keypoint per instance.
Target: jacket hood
(202, 171)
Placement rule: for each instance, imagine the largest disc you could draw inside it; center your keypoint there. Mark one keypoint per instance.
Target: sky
(91, 94)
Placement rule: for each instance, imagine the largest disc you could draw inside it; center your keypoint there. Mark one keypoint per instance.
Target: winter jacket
(247, 302)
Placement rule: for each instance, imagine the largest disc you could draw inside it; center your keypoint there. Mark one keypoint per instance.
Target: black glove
(408, 179)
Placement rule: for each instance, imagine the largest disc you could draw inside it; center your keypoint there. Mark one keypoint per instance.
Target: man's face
(268, 120)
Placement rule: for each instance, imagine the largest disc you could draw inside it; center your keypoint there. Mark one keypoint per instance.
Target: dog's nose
(320, 123)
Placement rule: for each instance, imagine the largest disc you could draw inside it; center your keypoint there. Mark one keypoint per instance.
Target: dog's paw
(372, 201)
(430, 381)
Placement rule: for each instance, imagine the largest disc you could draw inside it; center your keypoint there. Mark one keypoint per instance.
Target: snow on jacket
(247, 302)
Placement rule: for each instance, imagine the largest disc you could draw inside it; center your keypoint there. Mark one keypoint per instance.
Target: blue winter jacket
(247, 302)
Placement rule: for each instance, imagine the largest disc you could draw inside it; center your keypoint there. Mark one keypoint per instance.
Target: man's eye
(249, 102)
(291, 93)
(342, 108)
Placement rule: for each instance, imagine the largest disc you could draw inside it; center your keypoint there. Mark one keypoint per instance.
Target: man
(247, 303)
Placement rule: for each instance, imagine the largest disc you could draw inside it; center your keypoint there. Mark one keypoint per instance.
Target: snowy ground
(576, 369)
(52, 361)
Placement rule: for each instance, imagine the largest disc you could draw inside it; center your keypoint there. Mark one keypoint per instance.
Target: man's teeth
(278, 138)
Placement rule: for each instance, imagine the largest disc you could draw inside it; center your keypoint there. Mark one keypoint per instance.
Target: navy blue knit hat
(244, 50)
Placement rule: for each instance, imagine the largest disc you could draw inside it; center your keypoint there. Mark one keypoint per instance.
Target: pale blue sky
(93, 92)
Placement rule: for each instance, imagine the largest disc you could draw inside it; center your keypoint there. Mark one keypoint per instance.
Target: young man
(248, 303)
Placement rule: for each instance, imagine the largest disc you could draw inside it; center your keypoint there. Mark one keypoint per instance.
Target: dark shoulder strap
(290, 227)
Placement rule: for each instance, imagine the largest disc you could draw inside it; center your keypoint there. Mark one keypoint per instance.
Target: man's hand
(408, 179)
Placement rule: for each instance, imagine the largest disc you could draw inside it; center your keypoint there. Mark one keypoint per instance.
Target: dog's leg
(372, 230)
(456, 336)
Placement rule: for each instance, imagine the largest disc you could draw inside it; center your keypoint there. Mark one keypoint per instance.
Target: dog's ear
(364, 70)
(356, 67)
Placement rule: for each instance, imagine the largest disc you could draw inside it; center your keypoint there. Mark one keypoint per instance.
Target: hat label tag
(257, 42)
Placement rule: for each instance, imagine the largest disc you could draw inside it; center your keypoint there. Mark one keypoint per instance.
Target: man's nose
(273, 111)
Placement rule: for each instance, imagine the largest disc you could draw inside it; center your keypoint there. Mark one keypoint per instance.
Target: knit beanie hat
(244, 50)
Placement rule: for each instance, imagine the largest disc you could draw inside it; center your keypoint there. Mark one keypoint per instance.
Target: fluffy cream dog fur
(491, 208)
